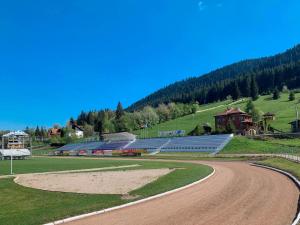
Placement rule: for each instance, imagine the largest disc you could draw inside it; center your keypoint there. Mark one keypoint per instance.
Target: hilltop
(269, 73)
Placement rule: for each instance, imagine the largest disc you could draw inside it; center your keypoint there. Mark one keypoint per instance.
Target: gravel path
(238, 194)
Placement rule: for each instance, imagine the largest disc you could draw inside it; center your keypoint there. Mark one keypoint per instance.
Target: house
(78, 131)
(234, 118)
(15, 140)
(295, 126)
(54, 132)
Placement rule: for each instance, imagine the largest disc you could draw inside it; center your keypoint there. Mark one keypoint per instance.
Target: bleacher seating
(209, 143)
(153, 143)
(113, 145)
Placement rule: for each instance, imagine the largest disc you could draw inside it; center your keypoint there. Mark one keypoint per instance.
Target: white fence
(295, 158)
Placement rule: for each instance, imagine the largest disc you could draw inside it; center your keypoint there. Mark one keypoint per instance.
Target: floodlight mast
(11, 158)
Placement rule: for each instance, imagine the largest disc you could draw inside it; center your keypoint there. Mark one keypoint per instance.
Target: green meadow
(282, 107)
(26, 206)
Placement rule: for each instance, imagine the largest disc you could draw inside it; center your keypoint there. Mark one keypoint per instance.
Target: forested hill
(244, 78)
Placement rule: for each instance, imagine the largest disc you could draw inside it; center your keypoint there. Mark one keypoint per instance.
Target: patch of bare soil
(110, 182)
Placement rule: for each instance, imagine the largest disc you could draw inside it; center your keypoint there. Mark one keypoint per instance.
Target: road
(238, 194)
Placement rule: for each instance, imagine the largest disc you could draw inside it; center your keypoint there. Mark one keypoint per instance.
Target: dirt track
(238, 194)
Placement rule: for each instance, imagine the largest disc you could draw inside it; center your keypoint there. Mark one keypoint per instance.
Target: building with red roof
(240, 121)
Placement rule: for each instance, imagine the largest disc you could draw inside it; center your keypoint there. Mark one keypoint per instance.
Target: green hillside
(282, 107)
(268, 73)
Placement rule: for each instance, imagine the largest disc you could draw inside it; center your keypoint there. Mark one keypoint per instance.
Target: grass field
(283, 108)
(21, 205)
(41, 164)
(283, 164)
(188, 122)
(243, 145)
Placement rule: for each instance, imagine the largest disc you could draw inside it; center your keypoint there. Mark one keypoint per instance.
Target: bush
(292, 96)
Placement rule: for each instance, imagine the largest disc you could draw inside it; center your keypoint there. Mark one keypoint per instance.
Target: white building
(78, 132)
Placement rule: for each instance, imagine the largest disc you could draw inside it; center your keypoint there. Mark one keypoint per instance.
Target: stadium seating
(114, 145)
(209, 143)
(153, 143)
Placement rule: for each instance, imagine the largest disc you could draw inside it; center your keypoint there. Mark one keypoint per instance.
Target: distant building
(295, 126)
(54, 132)
(240, 121)
(78, 131)
(207, 128)
(14, 140)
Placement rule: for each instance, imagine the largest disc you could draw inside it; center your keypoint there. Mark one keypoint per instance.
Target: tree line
(243, 79)
(119, 120)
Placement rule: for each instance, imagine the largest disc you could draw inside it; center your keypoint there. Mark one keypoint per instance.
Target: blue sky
(60, 57)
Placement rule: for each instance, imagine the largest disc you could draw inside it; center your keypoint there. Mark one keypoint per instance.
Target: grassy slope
(283, 164)
(284, 110)
(243, 145)
(21, 205)
(188, 122)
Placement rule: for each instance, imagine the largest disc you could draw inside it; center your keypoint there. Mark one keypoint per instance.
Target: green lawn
(283, 164)
(243, 145)
(188, 122)
(47, 164)
(283, 108)
(195, 156)
(21, 205)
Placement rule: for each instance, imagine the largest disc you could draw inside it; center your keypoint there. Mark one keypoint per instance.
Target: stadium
(126, 144)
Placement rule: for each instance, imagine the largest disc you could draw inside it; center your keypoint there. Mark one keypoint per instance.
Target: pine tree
(37, 132)
(249, 107)
(254, 89)
(247, 91)
(276, 94)
(292, 96)
(119, 111)
(236, 94)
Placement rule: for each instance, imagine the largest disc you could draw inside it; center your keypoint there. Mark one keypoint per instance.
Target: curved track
(237, 194)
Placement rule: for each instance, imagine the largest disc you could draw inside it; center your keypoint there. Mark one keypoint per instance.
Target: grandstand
(210, 143)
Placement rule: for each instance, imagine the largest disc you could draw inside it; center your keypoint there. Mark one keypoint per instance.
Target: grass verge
(244, 145)
(27, 206)
(283, 164)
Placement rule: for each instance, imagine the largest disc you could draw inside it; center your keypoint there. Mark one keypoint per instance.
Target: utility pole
(11, 157)
(297, 116)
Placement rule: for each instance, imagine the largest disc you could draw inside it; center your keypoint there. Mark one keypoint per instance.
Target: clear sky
(60, 57)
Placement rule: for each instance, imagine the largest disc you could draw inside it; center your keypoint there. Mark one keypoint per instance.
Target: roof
(231, 111)
(18, 133)
(55, 130)
(294, 121)
(269, 114)
(206, 125)
(123, 136)
(75, 126)
(14, 152)
(247, 121)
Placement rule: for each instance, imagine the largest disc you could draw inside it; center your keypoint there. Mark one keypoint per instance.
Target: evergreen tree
(292, 96)
(197, 131)
(249, 107)
(276, 94)
(72, 122)
(119, 111)
(37, 132)
(247, 87)
(236, 94)
(254, 89)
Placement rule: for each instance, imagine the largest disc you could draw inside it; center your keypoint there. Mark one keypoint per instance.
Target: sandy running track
(238, 194)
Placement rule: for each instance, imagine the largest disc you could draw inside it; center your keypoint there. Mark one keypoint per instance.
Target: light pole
(11, 158)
